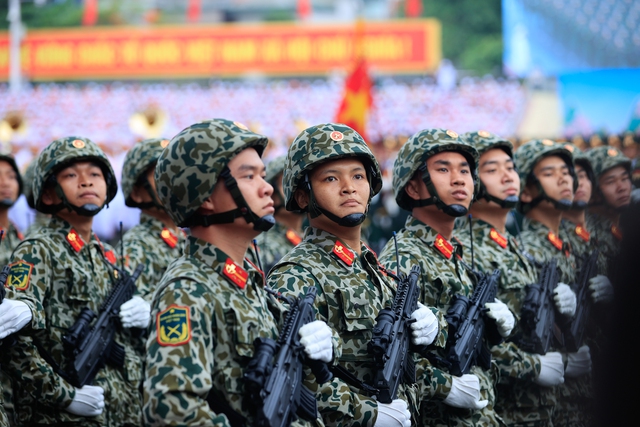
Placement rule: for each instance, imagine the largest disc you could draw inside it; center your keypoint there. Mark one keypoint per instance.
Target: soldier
(433, 178)
(548, 182)
(612, 194)
(156, 241)
(331, 174)
(524, 393)
(211, 305)
(55, 274)
(287, 231)
(10, 190)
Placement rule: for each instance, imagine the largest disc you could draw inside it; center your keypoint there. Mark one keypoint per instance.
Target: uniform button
(356, 306)
(509, 271)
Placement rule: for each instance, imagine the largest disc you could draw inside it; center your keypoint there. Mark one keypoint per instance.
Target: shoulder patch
(19, 275)
(498, 238)
(583, 233)
(169, 238)
(173, 326)
(443, 246)
(344, 254)
(235, 273)
(110, 256)
(75, 240)
(293, 237)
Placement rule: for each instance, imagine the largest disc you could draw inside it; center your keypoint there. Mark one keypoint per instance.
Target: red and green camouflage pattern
(142, 155)
(189, 167)
(319, 144)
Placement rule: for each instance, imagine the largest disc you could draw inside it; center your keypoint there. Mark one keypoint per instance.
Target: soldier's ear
(302, 198)
(526, 196)
(49, 196)
(207, 207)
(416, 188)
(137, 194)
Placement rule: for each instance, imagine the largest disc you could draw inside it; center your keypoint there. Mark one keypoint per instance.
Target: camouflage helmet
(138, 160)
(62, 153)
(319, 144)
(275, 167)
(190, 166)
(7, 157)
(604, 158)
(484, 141)
(580, 159)
(420, 147)
(527, 157)
(29, 175)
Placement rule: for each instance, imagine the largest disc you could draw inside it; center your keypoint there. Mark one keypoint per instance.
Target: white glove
(579, 363)
(551, 369)
(502, 315)
(465, 393)
(565, 299)
(601, 288)
(135, 313)
(14, 315)
(394, 414)
(317, 341)
(88, 402)
(425, 327)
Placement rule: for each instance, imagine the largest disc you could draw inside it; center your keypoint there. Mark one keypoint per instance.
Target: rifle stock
(574, 332)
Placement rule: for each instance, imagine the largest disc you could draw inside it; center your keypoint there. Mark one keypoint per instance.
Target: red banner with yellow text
(411, 46)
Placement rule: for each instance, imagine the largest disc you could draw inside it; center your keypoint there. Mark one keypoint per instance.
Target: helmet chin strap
(350, 220)
(154, 203)
(561, 205)
(263, 223)
(508, 202)
(88, 209)
(579, 205)
(454, 210)
(6, 203)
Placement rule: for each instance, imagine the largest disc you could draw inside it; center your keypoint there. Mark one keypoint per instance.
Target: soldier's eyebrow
(250, 168)
(553, 167)
(355, 169)
(495, 162)
(448, 163)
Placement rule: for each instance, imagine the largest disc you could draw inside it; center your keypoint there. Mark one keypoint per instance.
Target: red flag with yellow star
(357, 100)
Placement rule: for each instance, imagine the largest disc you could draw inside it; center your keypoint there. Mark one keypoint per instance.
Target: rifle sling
(342, 373)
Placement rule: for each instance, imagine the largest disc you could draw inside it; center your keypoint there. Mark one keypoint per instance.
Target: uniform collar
(431, 238)
(542, 232)
(345, 255)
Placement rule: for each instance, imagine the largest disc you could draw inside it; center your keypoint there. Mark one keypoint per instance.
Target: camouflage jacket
(39, 221)
(206, 313)
(351, 291)
(273, 245)
(11, 238)
(57, 275)
(583, 243)
(152, 244)
(519, 399)
(442, 276)
(606, 235)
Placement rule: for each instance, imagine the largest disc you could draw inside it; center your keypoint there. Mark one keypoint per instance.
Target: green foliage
(53, 15)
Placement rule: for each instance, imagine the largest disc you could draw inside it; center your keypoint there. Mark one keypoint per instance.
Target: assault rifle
(275, 384)
(391, 339)
(574, 333)
(467, 326)
(538, 311)
(91, 347)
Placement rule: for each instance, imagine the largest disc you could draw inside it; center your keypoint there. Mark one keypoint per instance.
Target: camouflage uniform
(57, 275)
(442, 276)
(207, 310)
(521, 401)
(41, 219)
(607, 234)
(12, 236)
(351, 288)
(543, 245)
(149, 243)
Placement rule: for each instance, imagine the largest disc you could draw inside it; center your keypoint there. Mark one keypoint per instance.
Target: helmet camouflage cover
(275, 167)
(322, 143)
(581, 159)
(64, 152)
(421, 146)
(28, 182)
(529, 154)
(7, 157)
(189, 167)
(604, 158)
(484, 141)
(142, 155)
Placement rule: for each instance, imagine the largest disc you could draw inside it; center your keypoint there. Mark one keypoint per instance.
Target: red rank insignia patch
(110, 256)
(293, 237)
(19, 275)
(169, 238)
(555, 240)
(173, 326)
(235, 273)
(583, 233)
(498, 238)
(443, 246)
(616, 232)
(75, 240)
(344, 254)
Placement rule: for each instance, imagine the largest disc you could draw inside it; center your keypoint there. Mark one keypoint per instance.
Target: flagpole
(16, 32)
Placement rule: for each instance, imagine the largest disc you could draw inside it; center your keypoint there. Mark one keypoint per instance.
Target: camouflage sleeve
(178, 375)
(433, 383)
(513, 363)
(337, 403)
(29, 282)
(137, 251)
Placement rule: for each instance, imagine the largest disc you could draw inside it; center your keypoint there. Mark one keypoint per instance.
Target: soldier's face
(82, 183)
(498, 174)
(583, 193)
(615, 185)
(340, 186)
(553, 174)
(140, 194)
(9, 186)
(248, 170)
(450, 174)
